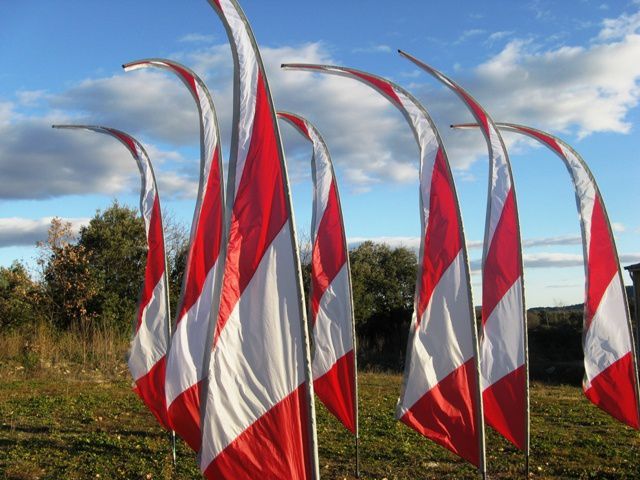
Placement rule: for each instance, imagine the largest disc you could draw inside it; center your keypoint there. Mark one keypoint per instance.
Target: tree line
(90, 281)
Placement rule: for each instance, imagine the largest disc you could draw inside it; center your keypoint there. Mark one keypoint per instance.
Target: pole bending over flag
(152, 328)
(198, 305)
(610, 379)
(258, 418)
(503, 346)
(440, 396)
(332, 322)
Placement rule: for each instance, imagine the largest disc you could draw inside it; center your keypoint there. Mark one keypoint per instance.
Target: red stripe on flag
(502, 266)
(127, 140)
(505, 406)
(154, 268)
(206, 244)
(259, 210)
(613, 391)
(254, 454)
(475, 108)
(297, 122)
(446, 413)
(184, 415)
(381, 85)
(336, 391)
(546, 139)
(150, 388)
(442, 238)
(602, 261)
(186, 76)
(328, 255)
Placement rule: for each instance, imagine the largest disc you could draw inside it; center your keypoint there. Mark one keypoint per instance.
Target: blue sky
(567, 67)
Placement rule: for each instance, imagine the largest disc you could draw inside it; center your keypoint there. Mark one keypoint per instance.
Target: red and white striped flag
(149, 345)
(440, 396)
(332, 327)
(610, 379)
(503, 346)
(198, 305)
(258, 419)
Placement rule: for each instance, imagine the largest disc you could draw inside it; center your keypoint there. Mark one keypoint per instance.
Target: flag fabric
(503, 345)
(147, 356)
(440, 395)
(610, 379)
(332, 324)
(197, 307)
(258, 417)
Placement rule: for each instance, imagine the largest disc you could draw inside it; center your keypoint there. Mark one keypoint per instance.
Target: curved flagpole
(436, 379)
(504, 356)
(611, 377)
(198, 305)
(259, 415)
(332, 323)
(152, 337)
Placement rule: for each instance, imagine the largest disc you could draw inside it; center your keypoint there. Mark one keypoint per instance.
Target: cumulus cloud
(145, 101)
(15, 231)
(495, 36)
(373, 49)
(618, 227)
(583, 89)
(620, 27)
(414, 242)
(549, 241)
(197, 38)
(567, 89)
(467, 34)
(39, 162)
(6, 113)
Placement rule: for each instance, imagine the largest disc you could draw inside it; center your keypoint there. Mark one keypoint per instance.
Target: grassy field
(59, 427)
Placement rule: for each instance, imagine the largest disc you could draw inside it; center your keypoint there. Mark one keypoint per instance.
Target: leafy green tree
(383, 282)
(93, 279)
(116, 249)
(68, 284)
(20, 297)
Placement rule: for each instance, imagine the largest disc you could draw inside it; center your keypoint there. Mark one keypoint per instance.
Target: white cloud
(142, 101)
(590, 89)
(567, 89)
(412, 243)
(30, 97)
(495, 36)
(616, 28)
(373, 49)
(549, 241)
(627, 258)
(6, 113)
(584, 89)
(39, 162)
(16, 231)
(618, 227)
(550, 259)
(467, 34)
(197, 38)
(174, 185)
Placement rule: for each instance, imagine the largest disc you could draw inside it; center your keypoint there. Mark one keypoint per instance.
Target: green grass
(63, 428)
